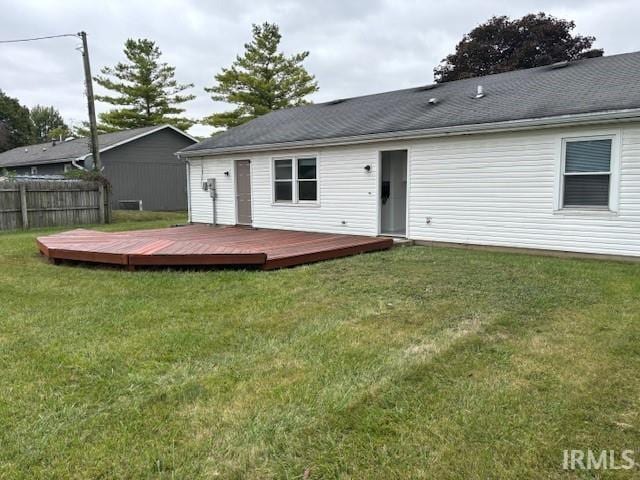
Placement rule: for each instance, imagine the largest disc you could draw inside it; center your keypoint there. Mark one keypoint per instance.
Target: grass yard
(413, 363)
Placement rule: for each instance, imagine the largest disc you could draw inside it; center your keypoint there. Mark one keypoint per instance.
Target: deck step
(402, 242)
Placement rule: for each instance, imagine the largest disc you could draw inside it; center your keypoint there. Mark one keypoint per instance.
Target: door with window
(243, 192)
(393, 193)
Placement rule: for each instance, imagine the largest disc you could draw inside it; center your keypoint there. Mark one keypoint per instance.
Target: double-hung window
(586, 175)
(295, 180)
(307, 179)
(283, 187)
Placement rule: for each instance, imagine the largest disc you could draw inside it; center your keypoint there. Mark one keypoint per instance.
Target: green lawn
(413, 363)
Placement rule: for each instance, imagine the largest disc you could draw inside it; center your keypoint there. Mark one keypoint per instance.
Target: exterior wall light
(367, 168)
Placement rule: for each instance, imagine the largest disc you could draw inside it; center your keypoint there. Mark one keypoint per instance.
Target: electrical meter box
(211, 187)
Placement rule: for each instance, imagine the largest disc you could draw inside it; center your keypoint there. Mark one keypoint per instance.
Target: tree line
(143, 90)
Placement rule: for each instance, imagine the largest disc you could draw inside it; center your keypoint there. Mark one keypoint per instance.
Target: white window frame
(34, 170)
(614, 173)
(292, 180)
(295, 201)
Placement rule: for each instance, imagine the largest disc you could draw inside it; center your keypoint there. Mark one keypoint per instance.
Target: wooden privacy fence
(27, 203)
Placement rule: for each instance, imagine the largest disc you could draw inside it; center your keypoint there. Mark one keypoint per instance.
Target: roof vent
(337, 101)
(433, 101)
(423, 88)
(562, 64)
(480, 92)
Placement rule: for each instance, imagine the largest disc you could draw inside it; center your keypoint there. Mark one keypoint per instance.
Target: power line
(39, 38)
(95, 149)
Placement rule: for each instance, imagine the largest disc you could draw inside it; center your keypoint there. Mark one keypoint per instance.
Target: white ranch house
(546, 158)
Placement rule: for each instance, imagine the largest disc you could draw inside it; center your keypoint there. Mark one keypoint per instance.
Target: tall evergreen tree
(16, 128)
(261, 80)
(501, 45)
(83, 129)
(47, 122)
(146, 89)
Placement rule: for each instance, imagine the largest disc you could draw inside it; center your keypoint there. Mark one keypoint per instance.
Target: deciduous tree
(16, 128)
(501, 45)
(48, 123)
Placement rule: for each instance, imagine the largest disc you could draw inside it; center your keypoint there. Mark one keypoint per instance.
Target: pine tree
(48, 123)
(145, 87)
(261, 80)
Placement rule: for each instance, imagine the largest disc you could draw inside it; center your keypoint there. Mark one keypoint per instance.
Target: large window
(587, 173)
(295, 180)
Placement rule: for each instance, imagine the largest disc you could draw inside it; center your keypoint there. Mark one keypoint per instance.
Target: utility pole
(95, 148)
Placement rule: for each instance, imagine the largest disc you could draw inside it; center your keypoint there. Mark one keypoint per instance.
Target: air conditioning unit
(130, 204)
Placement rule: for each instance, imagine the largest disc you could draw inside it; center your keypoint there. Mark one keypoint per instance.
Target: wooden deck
(198, 245)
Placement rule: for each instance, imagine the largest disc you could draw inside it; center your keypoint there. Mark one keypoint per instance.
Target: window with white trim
(34, 170)
(283, 180)
(307, 178)
(586, 175)
(295, 180)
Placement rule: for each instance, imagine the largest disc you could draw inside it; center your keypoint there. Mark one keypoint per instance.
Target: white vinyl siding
(201, 203)
(346, 192)
(501, 189)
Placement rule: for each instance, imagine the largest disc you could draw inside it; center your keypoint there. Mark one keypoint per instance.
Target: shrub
(89, 176)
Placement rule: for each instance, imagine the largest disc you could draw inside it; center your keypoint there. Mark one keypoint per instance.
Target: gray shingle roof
(584, 86)
(65, 151)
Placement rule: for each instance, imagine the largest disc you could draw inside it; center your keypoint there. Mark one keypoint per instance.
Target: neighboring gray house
(140, 164)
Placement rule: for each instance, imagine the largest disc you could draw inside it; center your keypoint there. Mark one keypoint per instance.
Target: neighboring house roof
(586, 86)
(78, 148)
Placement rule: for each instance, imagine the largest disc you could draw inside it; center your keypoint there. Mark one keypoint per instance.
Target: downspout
(213, 200)
(212, 192)
(79, 167)
(83, 159)
(188, 166)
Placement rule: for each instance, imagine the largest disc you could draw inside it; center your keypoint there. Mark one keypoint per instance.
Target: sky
(356, 47)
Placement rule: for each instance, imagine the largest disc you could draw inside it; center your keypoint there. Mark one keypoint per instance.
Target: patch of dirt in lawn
(443, 340)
